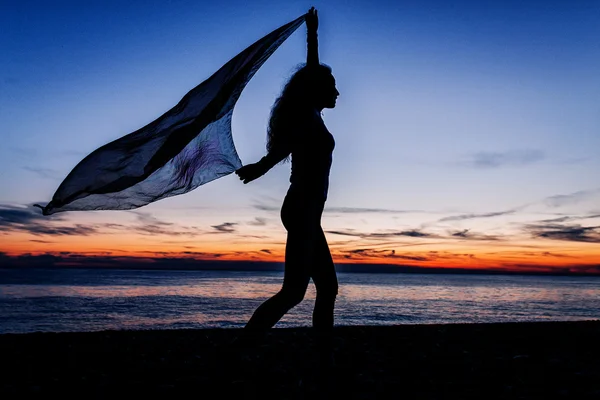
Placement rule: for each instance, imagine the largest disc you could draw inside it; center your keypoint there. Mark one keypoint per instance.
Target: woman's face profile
(327, 93)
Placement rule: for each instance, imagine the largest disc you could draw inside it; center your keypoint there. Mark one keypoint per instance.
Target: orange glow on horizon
(517, 256)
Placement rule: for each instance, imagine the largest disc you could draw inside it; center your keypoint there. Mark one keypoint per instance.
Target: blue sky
(446, 108)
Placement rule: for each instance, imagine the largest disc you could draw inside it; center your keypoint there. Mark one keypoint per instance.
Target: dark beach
(509, 360)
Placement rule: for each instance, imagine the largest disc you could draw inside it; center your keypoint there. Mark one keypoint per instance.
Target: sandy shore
(511, 361)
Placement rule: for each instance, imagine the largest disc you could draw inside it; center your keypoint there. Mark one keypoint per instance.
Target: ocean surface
(100, 299)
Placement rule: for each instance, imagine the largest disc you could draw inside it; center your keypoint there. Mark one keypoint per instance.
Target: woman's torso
(312, 156)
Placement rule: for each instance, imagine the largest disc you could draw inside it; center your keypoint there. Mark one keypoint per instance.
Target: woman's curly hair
(292, 104)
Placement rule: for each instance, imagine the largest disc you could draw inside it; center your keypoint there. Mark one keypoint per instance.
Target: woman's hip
(301, 211)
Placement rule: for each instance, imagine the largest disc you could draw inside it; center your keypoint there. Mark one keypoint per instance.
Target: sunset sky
(467, 132)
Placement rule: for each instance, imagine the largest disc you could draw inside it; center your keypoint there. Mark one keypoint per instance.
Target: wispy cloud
(267, 203)
(550, 254)
(493, 159)
(572, 198)
(466, 234)
(147, 224)
(22, 219)
(567, 218)
(266, 207)
(273, 205)
(463, 217)
(18, 215)
(575, 233)
(379, 254)
(225, 227)
(359, 210)
(410, 233)
(148, 218)
(258, 221)
(557, 220)
(28, 219)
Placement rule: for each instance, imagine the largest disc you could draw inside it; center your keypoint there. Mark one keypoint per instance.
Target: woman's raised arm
(312, 25)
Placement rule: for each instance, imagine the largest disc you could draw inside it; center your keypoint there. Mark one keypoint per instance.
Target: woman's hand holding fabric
(312, 20)
(250, 172)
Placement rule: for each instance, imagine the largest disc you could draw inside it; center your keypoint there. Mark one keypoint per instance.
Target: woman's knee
(292, 297)
(329, 292)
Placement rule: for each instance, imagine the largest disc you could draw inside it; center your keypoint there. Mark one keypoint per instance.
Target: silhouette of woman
(296, 128)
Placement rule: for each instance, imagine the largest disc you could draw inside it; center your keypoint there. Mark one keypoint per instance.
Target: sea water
(62, 300)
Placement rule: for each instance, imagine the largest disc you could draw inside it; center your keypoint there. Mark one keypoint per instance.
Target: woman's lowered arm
(250, 172)
(274, 157)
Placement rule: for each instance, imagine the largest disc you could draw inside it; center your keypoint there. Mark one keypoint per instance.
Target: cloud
(150, 225)
(461, 233)
(358, 210)
(489, 160)
(266, 207)
(572, 198)
(556, 220)
(575, 233)
(199, 253)
(567, 218)
(413, 233)
(20, 219)
(473, 216)
(13, 215)
(408, 233)
(549, 254)
(226, 227)
(538, 254)
(77, 230)
(466, 234)
(267, 203)
(148, 218)
(254, 236)
(273, 205)
(258, 221)
(379, 254)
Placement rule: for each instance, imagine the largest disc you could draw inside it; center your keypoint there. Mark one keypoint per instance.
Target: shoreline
(498, 360)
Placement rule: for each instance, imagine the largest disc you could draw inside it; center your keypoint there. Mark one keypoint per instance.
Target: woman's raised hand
(312, 20)
(250, 172)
